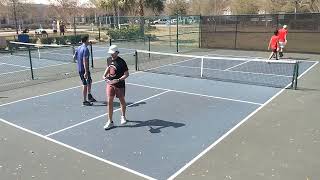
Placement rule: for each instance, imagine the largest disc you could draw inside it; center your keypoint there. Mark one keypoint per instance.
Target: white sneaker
(108, 125)
(123, 120)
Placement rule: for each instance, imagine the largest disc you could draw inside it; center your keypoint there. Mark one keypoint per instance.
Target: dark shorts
(85, 81)
(114, 91)
(274, 50)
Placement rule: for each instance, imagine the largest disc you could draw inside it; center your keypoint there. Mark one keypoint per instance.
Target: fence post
(177, 32)
(200, 23)
(136, 61)
(236, 33)
(149, 41)
(74, 26)
(99, 28)
(277, 17)
(91, 49)
(170, 31)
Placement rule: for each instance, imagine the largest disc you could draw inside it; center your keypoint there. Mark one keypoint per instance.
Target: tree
(135, 6)
(156, 6)
(244, 6)
(314, 6)
(177, 7)
(66, 9)
(18, 8)
(208, 7)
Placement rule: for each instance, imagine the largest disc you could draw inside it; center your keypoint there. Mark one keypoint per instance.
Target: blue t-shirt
(82, 52)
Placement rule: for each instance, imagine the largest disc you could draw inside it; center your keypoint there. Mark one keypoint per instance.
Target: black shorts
(85, 81)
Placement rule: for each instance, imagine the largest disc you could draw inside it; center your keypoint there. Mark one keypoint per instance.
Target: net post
(91, 53)
(201, 70)
(293, 76)
(30, 60)
(74, 53)
(10, 48)
(136, 60)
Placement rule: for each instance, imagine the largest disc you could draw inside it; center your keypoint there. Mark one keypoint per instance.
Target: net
(271, 73)
(43, 51)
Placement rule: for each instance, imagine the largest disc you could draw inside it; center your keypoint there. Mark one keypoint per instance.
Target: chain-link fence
(253, 32)
(162, 33)
(168, 32)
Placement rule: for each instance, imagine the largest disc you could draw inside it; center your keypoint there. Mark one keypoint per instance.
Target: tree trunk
(15, 15)
(141, 13)
(115, 23)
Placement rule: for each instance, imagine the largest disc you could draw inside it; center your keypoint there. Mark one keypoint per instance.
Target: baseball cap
(113, 49)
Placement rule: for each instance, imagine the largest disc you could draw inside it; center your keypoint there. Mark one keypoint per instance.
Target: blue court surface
(172, 120)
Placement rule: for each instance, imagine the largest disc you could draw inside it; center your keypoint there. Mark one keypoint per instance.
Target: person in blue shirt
(82, 56)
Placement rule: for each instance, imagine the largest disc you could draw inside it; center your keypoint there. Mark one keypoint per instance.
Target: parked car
(173, 21)
(160, 21)
(40, 31)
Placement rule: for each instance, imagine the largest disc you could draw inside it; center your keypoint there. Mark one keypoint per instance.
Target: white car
(40, 31)
(160, 21)
(173, 21)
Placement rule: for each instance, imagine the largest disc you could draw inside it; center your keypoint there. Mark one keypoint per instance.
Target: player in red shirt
(274, 45)
(282, 39)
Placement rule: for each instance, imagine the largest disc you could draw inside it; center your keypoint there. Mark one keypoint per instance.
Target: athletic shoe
(281, 54)
(91, 99)
(87, 103)
(123, 120)
(108, 125)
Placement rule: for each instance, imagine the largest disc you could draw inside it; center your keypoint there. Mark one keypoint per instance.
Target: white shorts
(282, 44)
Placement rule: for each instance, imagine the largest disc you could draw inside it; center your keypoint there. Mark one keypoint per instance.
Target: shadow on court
(155, 125)
(117, 104)
(307, 89)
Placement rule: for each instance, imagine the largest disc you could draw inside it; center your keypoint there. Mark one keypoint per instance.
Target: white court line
(172, 64)
(237, 65)
(15, 65)
(34, 68)
(25, 81)
(106, 47)
(92, 119)
(254, 57)
(232, 71)
(100, 57)
(223, 55)
(63, 54)
(111, 163)
(6, 56)
(233, 129)
(54, 92)
(78, 150)
(195, 94)
(315, 63)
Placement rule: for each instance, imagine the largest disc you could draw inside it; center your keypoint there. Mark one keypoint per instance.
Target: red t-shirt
(274, 42)
(282, 34)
